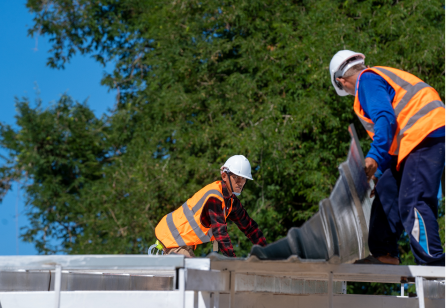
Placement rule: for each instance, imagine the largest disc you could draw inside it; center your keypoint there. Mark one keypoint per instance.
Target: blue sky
(23, 72)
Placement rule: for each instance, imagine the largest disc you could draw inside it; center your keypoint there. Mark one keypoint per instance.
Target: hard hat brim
(243, 176)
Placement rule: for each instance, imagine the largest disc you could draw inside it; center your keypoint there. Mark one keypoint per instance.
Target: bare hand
(370, 167)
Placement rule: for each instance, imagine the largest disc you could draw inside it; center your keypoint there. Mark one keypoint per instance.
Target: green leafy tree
(58, 152)
(199, 81)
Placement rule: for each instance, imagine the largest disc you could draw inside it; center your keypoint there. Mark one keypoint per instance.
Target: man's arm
(376, 101)
(246, 224)
(219, 227)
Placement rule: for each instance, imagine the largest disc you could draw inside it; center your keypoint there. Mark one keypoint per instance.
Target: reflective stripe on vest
(421, 113)
(411, 90)
(408, 109)
(173, 229)
(167, 231)
(369, 126)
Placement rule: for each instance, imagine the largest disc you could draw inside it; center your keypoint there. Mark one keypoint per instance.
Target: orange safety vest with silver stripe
(183, 226)
(418, 110)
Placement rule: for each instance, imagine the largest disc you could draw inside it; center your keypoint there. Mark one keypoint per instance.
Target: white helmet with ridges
(239, 165)
(341, 62)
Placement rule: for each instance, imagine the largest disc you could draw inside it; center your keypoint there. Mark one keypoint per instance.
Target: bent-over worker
(202, 218)
(405, 117)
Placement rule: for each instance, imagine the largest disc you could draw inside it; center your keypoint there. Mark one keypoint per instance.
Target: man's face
(237, 182)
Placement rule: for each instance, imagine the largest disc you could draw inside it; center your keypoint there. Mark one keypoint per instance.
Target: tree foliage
(197, 82)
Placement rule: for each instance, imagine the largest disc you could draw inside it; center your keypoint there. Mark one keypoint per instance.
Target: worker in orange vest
(405, 117)
(202, 218)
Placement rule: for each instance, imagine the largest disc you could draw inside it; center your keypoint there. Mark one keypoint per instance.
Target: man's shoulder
(367, 75)
(215, 183)
(213, 188)
(370, 78)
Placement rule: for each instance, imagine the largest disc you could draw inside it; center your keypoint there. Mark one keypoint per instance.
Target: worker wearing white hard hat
(405, 118)
(203, 217)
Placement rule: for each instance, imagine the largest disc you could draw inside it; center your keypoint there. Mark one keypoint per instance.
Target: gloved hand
(159, 246)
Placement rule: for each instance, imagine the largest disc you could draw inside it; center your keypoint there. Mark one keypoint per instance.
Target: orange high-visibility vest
(418, 110)
(183, 226)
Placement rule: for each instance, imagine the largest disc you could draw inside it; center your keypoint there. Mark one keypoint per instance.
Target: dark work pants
(407, 200)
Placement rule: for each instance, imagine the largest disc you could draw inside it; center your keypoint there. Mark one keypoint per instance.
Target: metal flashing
(167, 262)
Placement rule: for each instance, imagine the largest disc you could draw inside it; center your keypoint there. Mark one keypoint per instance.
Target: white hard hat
(239, 165)
(341, 62)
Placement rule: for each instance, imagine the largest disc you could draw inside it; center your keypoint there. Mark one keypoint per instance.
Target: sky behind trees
(24, 73)
(197, 83)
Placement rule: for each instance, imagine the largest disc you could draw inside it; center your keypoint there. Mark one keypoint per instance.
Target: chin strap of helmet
(230, 182)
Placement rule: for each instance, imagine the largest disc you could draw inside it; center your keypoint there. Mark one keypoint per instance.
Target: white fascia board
(173, 299)
(92, 262)
(203, 264)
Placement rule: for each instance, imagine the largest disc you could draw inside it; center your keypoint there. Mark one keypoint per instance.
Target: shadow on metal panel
(338, 232)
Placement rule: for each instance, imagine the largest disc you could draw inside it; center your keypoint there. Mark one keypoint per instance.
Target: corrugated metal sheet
(434, 289)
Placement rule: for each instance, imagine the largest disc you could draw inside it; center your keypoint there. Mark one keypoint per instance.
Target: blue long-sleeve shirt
(376, 96)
